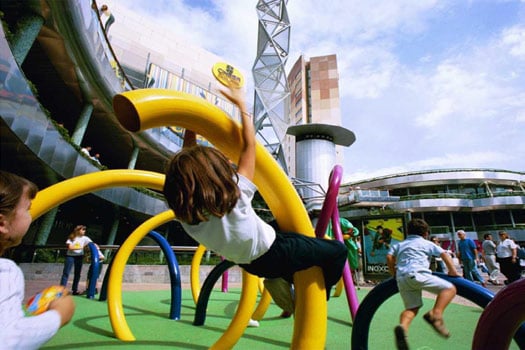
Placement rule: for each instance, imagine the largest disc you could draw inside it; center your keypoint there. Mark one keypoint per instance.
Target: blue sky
(424, 84)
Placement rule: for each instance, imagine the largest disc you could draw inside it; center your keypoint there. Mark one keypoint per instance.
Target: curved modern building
(476, 200)
(58, 75)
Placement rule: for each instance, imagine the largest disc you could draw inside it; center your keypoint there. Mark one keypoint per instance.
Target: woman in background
(76, 242)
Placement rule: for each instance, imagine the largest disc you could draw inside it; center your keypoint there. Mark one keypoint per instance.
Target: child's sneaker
(281, 292)
(401, 338)
(253, 323)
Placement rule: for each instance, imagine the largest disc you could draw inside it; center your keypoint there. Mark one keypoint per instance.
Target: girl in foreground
(16, 330)
(213, 203)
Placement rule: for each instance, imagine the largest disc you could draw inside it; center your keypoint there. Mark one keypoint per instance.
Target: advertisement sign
(378, 235)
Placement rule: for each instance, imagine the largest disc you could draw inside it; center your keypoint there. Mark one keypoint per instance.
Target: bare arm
(514, 254)
(391, 262)
(246, 163)
(190, 138)
(450, 264)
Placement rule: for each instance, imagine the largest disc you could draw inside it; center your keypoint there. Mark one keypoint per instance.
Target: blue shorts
(411, 285)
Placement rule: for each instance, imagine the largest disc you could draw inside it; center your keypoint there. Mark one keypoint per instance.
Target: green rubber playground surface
(147, 314)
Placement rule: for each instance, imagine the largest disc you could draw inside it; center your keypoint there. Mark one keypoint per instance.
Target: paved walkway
(34, 286)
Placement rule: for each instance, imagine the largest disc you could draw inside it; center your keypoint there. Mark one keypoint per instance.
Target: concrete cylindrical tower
(315, 152)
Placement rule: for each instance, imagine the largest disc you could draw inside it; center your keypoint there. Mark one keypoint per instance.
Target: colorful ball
(39, 303)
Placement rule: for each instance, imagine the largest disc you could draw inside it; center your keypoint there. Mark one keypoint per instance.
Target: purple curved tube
(330, 211)
(224, 285)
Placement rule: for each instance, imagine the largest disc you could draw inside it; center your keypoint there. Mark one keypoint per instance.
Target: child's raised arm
(190, 138)
(246, 163)
(391, 263)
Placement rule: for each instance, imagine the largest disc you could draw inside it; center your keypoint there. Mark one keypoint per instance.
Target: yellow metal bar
(194, 275)
(240, 320)
(115, 309)
(61, 192)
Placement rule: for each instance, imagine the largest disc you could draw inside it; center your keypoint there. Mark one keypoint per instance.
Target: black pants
(292, 252)
(511, 270)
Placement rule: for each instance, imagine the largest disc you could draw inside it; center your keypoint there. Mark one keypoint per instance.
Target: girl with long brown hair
(213, 202)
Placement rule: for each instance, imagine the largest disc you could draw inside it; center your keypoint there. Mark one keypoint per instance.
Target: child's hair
(76, 231)
(12, 188)
(200, 181)
(417, 227)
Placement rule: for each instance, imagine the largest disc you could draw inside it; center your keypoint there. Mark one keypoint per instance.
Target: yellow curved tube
(194, 274)
(264, 303)
(240, 320)
(61, 192)
(310, 304)
(139, 110)
(115, 309)
(338, 288)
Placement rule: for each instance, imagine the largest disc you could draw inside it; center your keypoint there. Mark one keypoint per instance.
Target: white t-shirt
(78, 243)
(16, 330)
(504, 249)
(240, 236)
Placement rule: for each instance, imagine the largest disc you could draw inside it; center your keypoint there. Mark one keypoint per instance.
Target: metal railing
(141, 255)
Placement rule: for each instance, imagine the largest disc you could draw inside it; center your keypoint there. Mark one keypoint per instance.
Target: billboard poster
(378, 235)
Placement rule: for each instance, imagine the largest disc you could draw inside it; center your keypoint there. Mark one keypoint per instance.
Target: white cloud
(457, 102)
(514, 39)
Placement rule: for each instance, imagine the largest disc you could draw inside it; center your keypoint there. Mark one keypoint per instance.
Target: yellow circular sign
(227, 75)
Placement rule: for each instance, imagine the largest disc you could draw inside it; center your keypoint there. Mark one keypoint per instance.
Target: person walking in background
(409, 261)
(76, 242)
(360, 278)
(468, 255)
(489, 256)
(110, 19)
(507, 257)
(86, 151)
(96, 158)
(16, 330)
(349, 232)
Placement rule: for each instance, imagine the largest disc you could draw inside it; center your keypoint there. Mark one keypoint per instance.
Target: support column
(315, 156)
(134, 156)
(113, 230)
(29, 26)
(453, 225)
(82, 123)
(46, 224)
(512, 219)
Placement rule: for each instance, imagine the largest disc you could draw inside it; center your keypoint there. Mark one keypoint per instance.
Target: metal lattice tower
(271, 107)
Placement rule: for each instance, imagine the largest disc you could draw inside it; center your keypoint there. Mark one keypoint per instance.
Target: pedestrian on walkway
(507, 256)
(489, 256)
(75, 243)
(468, 255)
